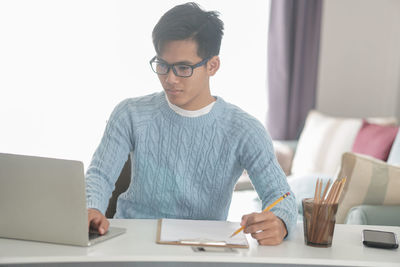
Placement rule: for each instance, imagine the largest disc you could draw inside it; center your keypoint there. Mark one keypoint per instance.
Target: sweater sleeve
(269, 180)
(109, 158)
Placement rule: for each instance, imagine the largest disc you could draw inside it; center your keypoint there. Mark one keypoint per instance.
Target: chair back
(121, 185)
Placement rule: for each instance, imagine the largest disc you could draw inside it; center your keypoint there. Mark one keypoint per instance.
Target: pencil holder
(318, 222)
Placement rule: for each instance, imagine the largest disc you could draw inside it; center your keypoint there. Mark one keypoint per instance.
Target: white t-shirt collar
(190, 113)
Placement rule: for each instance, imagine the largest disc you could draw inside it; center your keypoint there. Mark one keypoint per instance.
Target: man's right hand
(97, 221)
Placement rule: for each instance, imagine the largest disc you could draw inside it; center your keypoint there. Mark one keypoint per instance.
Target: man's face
(191, 93)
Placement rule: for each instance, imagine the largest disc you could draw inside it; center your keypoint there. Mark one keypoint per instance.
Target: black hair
(189, 21)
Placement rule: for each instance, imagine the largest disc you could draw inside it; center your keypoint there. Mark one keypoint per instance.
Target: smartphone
(379, 239)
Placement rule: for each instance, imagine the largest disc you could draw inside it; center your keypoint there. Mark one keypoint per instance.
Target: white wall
(359, 69)
(65, 64)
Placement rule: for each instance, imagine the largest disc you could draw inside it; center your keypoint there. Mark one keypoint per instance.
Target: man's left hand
(265, 227)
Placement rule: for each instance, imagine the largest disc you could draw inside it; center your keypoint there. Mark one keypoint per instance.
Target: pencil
(266, 209)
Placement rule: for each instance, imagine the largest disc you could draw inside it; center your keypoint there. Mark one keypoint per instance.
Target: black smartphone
(379, 239)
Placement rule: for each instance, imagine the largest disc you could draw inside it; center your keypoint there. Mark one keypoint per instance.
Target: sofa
(365, 151)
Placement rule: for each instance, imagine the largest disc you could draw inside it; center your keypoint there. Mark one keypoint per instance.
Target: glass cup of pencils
(319, 214)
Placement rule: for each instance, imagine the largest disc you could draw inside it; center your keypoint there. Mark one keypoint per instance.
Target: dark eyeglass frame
(172, 66)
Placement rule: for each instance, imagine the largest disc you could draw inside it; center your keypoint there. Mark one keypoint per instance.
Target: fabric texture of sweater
(184, 167)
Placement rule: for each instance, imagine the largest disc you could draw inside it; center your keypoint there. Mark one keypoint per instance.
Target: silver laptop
(44, 199)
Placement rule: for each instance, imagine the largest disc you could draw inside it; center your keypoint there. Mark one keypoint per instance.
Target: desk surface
(138, 245)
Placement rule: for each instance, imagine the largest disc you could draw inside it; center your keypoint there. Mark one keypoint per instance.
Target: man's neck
(192, 113)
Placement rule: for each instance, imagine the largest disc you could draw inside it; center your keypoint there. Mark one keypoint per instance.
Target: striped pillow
(369, 181)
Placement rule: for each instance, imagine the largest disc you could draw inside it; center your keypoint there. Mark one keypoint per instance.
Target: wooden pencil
(321, 231)
(266, 209)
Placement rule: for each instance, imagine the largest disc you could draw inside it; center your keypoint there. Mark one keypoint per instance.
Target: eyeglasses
(181, 70)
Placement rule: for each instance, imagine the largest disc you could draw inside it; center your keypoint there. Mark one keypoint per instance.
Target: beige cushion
(369, 181)
(323, 141)
(244, 182)
(284, 154)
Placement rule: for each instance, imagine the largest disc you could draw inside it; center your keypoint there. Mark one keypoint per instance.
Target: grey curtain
(293, 48)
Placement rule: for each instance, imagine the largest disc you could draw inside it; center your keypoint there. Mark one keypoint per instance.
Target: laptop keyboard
(93, 235)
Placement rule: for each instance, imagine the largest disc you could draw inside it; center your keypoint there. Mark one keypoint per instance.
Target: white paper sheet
(201, 231)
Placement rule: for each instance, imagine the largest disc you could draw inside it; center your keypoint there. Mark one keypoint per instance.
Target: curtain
(293, 48)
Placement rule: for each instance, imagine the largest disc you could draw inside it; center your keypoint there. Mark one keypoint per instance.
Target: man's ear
(213, 65)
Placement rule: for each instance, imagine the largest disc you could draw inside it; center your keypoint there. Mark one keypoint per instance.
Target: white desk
(138, 248)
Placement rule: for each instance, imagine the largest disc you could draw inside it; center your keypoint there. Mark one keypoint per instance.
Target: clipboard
(200, 233)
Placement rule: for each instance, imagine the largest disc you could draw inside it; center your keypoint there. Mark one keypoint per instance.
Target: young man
(187, 147)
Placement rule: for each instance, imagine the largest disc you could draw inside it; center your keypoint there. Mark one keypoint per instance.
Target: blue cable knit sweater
(184, 167)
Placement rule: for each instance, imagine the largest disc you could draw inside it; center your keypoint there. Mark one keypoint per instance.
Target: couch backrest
(394, 156)
(323, 141)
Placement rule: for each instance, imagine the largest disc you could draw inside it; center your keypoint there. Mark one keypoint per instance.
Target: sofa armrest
(244, 182)
(374, 215)
(284, 152)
